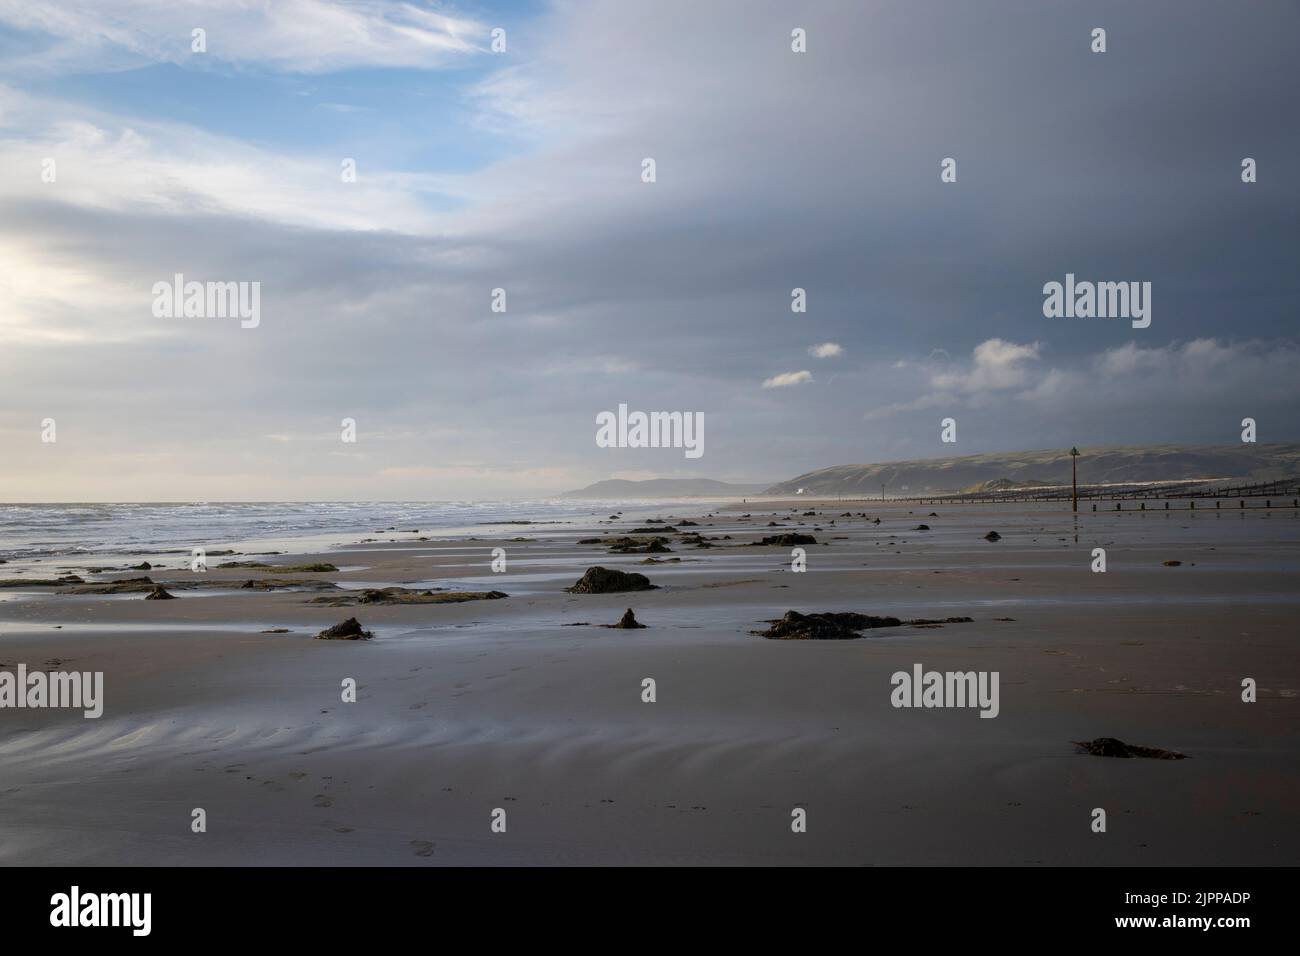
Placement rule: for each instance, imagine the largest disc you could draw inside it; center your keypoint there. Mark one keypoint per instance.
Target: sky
(126, 157)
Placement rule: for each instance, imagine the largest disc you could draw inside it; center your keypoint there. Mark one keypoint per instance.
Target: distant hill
(666, 488)
(1014, 469)
(1007, 484)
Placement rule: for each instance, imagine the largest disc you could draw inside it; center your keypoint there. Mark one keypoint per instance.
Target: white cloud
(1204, 378)
(996, 365)
(825, 350)
(107, 162)
(788, 378)
(933, 400)
(294, 36)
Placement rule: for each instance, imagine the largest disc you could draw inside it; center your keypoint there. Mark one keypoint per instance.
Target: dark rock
(628, 621)
(159, 594)
(789, 539)
(993, 536)
(827, 626)
(839, 626)
(321, 567)
(398, 595)
(349, 630)
(922, 527)
(144, 566)
(639, 546)
(119, 586)
(600, 580)
(1113, 747)
(1172, 564)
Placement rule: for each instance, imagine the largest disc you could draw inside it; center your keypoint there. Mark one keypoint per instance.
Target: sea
(37, 532)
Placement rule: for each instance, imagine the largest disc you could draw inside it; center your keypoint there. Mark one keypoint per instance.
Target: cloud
(292, 36)
(108, 162)
(932, 400)
(996, 365)
(788, 378)
(1190, 388)
(825, 350)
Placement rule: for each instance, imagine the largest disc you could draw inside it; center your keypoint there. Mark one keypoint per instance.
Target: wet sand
(465, 708)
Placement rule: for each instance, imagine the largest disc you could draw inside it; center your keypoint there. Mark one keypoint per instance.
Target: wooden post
(1074, 477)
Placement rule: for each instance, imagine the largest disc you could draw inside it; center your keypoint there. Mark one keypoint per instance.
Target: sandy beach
(466, 708)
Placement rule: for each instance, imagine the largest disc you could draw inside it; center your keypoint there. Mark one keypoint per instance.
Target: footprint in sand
(297, 774)
(337, 827)
(422, 847)
(322, 801)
